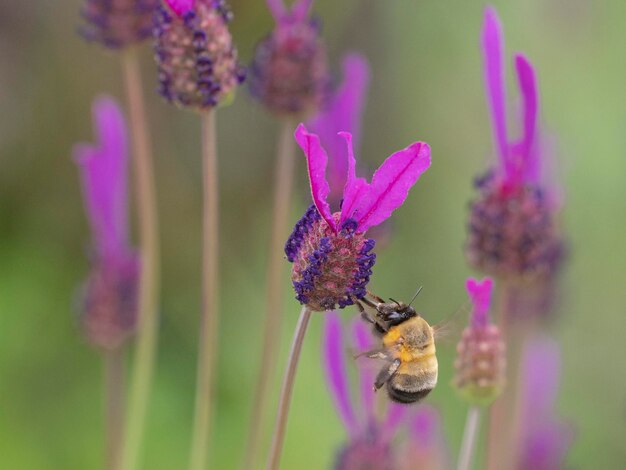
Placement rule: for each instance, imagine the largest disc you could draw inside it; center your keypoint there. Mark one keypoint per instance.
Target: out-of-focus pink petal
(316, 163)
(300, 9)
(424, 425)
(390, 185)
(180, 7)
(492, 45)
(278, 9)
(343, 113)
(396, 416)
(355, 187)
(104, 176)
(363, 342)
(336, 372)
(528, 86)
(480, 295)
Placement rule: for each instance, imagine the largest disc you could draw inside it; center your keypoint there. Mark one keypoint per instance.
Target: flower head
(331, 257)
(118, 23)
(513, 233)
(480, 359)
(289, 73)
(110, 300)
(369, 438)
(545, 438)
(196, 58)
(426, 443)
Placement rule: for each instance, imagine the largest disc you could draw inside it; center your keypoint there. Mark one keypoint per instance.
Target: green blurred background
(426, 84)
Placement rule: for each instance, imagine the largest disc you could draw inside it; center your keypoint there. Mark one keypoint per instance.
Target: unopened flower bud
(481, 359)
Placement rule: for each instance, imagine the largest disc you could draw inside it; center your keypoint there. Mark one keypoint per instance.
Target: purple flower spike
(343, 113)
(545, 438)
(110, 294)
(480, 294)
(336, 371)
(332, 258)
(426, 443)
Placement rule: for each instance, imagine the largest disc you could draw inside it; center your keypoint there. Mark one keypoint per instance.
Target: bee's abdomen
(405, 396)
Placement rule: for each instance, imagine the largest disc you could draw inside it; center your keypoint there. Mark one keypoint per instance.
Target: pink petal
(300, 9)
(104, 176)
(334, 367)
(390, 185)
(316, 163)
(180, 7)
(277, 8)
(528, 86)
(492, 44)
(480, 295)
(343, 114)
(396, 416)
(363, 342)
(355, 187)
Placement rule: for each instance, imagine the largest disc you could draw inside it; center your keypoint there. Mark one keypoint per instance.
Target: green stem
(287, 390)
(470, 436)
(114, 399)
(147, 330)
(283, 183)
(207, 346)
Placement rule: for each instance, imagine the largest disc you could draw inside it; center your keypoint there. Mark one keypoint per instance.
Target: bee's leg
(364, 315)
(382, 353)
(376, 298)
(385, 374)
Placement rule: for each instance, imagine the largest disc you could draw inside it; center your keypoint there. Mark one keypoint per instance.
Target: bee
(408, 348)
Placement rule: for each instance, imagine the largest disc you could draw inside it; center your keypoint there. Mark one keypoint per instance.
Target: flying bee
(408, 349)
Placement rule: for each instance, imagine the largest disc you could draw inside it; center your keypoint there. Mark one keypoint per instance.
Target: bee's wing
(448, 331)
(379, 353)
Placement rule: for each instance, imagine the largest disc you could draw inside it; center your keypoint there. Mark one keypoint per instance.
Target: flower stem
(207, 346)
(147, 330)
(470, 436)
(287, 389)
(114, 408)
(283, 183)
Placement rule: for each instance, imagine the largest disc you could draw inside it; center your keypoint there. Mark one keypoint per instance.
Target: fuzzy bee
(408, 348)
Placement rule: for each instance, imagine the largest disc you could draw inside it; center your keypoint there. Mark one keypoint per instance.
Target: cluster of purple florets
(196, 58)
(331, 270)
(117, 23)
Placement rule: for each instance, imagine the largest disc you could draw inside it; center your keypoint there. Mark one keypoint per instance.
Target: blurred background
(427, 85)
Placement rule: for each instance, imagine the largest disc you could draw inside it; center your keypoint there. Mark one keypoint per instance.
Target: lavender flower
(480, 362)
(512, 231)
(545, 439)
(426, 443)
(109, 312)
(342, 113)
(196, 59)
(369, 438)
(289, 72)
(332, 259)
(117, 23)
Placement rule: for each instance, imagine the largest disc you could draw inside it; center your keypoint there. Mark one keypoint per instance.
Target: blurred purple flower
(369, 438)
(343, 113)
(289, 72)
(512, 229)
(426, 443)
(545, 439)
(480, 363)
(331, 256)
(110, 300)
(118, 23)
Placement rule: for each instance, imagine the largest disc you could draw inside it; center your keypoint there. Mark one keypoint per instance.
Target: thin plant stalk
(285, 394)
(147, 331)
(207, 346)
(283, 184)
(470, 436)
(114, 405)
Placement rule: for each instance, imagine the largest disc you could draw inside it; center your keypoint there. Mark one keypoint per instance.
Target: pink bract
(480, 295)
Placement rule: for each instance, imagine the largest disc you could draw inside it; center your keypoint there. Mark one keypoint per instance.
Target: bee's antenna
(415, 296)
(394, 300)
